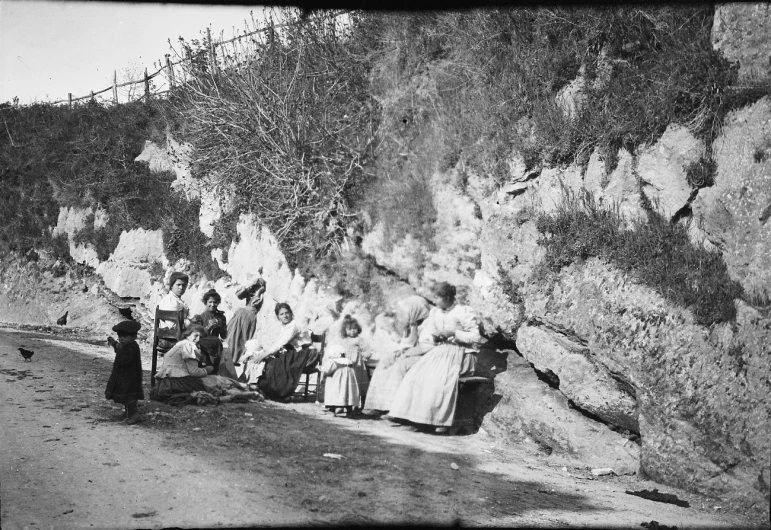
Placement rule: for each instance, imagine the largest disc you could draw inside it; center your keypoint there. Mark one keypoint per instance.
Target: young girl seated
(345, 369)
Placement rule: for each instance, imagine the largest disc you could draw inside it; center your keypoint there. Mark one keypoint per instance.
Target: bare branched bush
(286, 128)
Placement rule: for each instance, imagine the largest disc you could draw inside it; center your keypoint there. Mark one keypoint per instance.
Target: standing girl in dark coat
(125, 383)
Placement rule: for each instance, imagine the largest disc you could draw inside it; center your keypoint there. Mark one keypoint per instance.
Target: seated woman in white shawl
(391, 369)
(277, 368)
(429, 391)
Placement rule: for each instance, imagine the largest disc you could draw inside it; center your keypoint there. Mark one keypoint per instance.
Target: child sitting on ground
(125, 383)
(345, 370)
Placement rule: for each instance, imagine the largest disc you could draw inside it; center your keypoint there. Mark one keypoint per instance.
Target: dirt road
(66, 464)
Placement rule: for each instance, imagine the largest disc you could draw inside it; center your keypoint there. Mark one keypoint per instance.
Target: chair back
(176, 318)
(174, 333)
(321, 340)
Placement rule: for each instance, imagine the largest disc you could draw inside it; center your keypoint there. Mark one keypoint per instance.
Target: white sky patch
(51, 48)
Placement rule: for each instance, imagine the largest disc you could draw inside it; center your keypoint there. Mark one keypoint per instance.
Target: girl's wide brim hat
(127, 327)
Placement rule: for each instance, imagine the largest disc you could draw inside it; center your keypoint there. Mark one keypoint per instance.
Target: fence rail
(168, 66)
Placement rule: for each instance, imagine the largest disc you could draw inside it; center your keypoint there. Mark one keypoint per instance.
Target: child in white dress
(345, 369)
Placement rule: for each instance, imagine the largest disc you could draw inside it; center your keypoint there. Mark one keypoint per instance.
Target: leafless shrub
(287, 126)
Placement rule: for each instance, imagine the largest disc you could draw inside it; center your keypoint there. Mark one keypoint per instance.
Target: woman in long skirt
(391, 369)
(181, 372)
(429, 391)
(242, 326)
(290, 355)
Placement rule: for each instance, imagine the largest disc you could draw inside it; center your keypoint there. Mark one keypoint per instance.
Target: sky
(51, 48)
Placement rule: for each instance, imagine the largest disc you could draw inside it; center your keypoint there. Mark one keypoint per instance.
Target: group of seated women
(417, 382)
(188, 365)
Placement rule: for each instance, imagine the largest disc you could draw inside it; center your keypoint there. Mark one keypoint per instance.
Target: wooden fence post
(115, 86)
(171, 72)
(69, 98)
(212, 55)
(147, 86)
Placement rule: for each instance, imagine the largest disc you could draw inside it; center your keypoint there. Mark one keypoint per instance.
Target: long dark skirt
(211, 347)
(168, 386)
(282, 372)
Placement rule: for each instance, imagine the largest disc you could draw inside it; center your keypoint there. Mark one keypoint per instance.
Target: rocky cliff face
(606, 359)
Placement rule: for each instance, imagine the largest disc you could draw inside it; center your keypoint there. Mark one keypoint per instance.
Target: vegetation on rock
(320, 121)
(83, 157)
(79, 157)
(286, 130)
(656, 252)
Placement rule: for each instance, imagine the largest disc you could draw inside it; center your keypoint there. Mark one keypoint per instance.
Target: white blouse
(461, 319)
(291, 333)
(181, 361)
(172, 302)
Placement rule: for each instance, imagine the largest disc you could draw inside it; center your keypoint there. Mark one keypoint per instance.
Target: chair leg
(154, 363)
(307, 382)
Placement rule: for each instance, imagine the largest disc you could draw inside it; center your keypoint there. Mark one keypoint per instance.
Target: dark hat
(127, 327)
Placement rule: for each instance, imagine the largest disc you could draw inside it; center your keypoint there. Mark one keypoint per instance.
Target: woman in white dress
(391, 369)
(277, 368)
(429, 391)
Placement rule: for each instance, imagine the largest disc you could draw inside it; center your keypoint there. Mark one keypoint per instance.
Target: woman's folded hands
(445, 335)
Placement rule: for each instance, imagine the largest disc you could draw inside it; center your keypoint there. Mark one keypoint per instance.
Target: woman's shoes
(442, 430)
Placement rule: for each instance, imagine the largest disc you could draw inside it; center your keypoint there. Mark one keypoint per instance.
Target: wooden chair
(320, 340)
(169, 333)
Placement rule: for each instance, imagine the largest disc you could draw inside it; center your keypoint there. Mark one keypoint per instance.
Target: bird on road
(27, 354)
(62, 320)
(126, 312)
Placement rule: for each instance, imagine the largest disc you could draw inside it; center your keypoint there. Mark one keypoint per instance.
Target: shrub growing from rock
(656, 252)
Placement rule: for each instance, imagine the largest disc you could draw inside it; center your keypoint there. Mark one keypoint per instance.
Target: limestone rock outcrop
(741, 30)
(72, 220)
(620, 189)
(582, 378)
(734, 213)
(701, 394)
(126, 271)
(531, 411)
(662, 169)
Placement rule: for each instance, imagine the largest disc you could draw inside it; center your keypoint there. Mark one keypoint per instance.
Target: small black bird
(62, 320)
(126, 312)
(27, 354)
